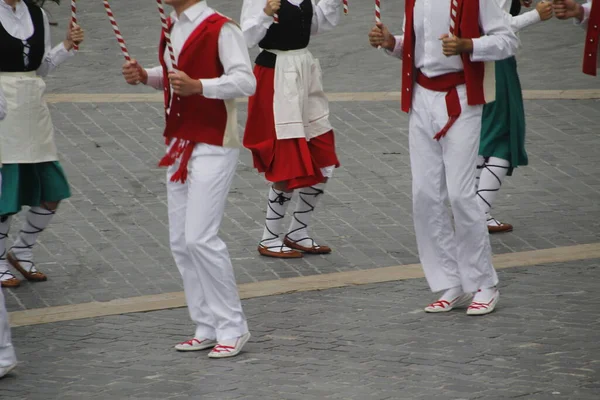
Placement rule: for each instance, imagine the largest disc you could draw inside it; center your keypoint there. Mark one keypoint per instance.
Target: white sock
(452, 293)
(493, 173)
(480, 164)
(276, 208)
(485, 295)
(5, 273)
(308, 198)
(36, 221)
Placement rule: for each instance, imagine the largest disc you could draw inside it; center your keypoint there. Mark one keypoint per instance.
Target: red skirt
(296, 161)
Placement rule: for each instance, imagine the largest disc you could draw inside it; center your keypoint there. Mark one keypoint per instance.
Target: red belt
(445, 83)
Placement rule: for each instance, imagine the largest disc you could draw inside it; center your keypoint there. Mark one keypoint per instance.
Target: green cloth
(503, 123)
(31, 185)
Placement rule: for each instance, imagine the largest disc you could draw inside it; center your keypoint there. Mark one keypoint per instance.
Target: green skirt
(503, 123)
(31, 185)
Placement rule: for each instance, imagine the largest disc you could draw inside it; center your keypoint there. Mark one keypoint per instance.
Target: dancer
(444, 53)
(32, 174)
(8, 359)
(588, 17)
(288, 129)
(502, 146)
(213, 68)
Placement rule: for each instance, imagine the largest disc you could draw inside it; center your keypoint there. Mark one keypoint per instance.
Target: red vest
(467, 27)
(590, 54)
(196, 118)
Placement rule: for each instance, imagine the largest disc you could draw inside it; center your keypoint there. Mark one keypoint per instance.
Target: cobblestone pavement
(110, 239)
(366, 342)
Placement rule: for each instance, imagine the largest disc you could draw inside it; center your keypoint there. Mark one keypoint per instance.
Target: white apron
(27, 134)
(300, 107)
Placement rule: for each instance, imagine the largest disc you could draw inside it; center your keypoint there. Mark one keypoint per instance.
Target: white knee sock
(308, 198)
(276, 208)
(480, 164)
(493, 173)
(4, 228)
(36, 221)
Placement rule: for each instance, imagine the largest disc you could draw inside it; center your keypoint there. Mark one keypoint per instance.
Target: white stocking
(5, 273)
(36, 221)
(493, 173)
(276, 208)
(308, 198)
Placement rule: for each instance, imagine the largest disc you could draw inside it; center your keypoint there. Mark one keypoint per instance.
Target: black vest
(12, 49)
(291, 33)
(515, 8)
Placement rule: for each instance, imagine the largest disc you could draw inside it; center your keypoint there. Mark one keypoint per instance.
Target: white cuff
(397, 52)
(210, 88)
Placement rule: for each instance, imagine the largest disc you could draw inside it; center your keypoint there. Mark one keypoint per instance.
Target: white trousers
(196, 210)
(7, 352)
(441, 171)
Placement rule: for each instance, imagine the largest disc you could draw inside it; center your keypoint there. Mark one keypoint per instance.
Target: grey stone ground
(367, 342)
(110, 241)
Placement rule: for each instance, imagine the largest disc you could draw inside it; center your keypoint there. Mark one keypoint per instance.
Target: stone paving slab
(110, 239)
(367, 342)
(550, 57)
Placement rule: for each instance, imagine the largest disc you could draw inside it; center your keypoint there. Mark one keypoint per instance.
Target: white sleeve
(587, 9)
(326, 15)
(399, 47)
(524, 20)
(498, 41)
(237, 79)
(155, 78)
(53, 57)
(254, 21)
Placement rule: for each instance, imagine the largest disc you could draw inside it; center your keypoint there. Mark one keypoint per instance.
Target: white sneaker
(196, 344)
(484, 302)
(229, 348)
(5, 370)
(443, 305)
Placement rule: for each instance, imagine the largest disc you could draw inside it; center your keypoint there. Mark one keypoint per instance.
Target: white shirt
(521, 21)
(237, 79)
(432, 20)
(255, 23)
(19, 25)
(3, 107)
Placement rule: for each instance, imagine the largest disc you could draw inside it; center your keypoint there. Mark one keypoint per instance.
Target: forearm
(397, 48)
(255, 22)
(155, 78)
(53, 58)
(498, 40)
(524, 20)
(583, 14)
(327, 15)
(237, 79)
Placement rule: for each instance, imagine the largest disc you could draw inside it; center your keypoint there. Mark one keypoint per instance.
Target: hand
(134, 73)
(565, 9)
(74, 36)
(380, 36)
(453, 46)
(544, 8)
(526, 3)
(272, 7)
(183, 85)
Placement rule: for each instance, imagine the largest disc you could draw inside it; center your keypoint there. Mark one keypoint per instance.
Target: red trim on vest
(194, 119)
(467, 27)
(445, 83)
(590, 52)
